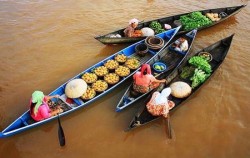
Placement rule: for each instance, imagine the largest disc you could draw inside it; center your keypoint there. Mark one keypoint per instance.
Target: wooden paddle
(168, 126)
(61, 136)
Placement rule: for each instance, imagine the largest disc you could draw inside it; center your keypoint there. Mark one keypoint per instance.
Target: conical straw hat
(75, 88)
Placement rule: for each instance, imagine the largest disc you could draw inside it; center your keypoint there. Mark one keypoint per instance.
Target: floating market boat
(173, 21)
(170, 58)
(218, 51)
(25, 121)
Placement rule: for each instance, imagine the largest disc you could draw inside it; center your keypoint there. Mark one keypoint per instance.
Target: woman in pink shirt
(144, 81)
(39, 109)
(130, 30)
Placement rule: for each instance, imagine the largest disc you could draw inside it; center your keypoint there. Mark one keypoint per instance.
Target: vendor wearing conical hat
(39, 109)
(144, 81)
(130, 30)
(159, 103)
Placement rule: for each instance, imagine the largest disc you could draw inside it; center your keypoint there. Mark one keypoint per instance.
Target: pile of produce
(194, 20)
(111, 78)
(198, 77)
(101, 71)
(187, 72)
(122, 71)
(156, 26)
(132, 63)
(100, 86)
(89, 94)
(121, 58)
(159, 67)
(213, 16)
(198, 70)
(202, 70)
(111, 64)
(89, 77)
(200, 63)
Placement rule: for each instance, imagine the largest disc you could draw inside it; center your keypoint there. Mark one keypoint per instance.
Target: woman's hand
(56, 96)
(56, 112)
(161, 81)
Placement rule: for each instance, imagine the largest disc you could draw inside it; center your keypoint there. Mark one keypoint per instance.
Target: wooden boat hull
(218, 50)
(25, 121)
(105, 39)
(171, 58)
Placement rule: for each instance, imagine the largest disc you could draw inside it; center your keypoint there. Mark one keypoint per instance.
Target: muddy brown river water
(45, 43)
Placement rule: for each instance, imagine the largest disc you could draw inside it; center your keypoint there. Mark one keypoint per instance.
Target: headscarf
(145, 67)
(37, 97)
(163, 96)
(133, 21)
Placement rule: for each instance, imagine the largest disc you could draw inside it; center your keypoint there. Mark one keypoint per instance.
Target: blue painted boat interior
(126, 101)
(23, 122)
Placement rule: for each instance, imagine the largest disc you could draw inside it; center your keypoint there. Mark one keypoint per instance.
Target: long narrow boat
(218, 50)
(25, 121)
(170, 57)
(108, 39)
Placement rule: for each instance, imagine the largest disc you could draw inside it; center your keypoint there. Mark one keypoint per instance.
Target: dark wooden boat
(106, 39)
(25, 122)
(218, 50)
(170, 57)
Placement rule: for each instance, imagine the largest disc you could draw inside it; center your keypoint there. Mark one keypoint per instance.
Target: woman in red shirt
(144, 81)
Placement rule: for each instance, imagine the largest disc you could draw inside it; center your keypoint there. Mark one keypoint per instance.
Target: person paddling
(159, 105)
(39, 109)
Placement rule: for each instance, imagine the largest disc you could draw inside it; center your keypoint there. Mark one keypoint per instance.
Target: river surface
(43, 43)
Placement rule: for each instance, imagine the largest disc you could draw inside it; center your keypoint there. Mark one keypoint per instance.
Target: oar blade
(61, 136)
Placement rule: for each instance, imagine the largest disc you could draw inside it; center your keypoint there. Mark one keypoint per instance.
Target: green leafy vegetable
(198, 77)
(187, 72)
(194, 20)
(200, 63)
(156, 26)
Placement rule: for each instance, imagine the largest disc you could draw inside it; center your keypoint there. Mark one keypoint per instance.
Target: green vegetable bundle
(187, 72)
(156, 26)
(200, 63)
(194, 20)
(198, 77)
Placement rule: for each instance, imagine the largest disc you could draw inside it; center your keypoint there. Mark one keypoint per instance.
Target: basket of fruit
(111, 78)
(206, 55)
(89, 77)
(122, 71)
(101, 71)
(159, 67)
(121, 58)
(111, 65)
(89, 94)
(100, 86)
(132, 63)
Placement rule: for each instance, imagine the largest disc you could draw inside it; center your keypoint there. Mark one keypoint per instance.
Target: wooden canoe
(170, 58)
(218, 50)
(25, 122)
(106, 39)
